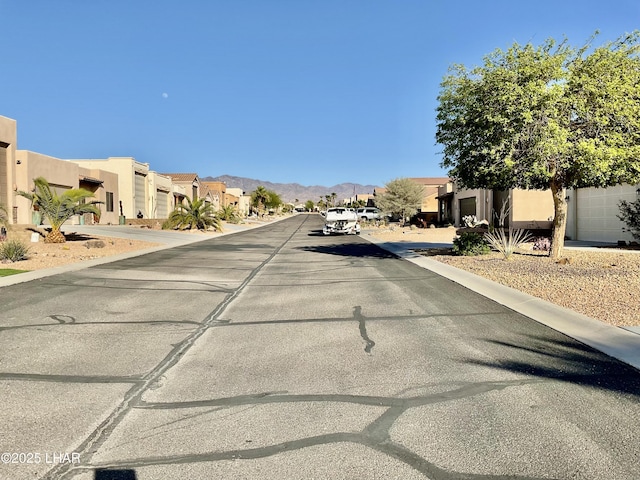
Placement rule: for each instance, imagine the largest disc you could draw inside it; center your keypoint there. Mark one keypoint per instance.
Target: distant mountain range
(289, 192)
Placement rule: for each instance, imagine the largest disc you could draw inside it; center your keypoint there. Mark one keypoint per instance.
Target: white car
(369, 213)
(341, 220)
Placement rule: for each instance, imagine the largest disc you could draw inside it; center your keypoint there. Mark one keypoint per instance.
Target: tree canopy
(402, 198)
(544, 117)
(262, 198)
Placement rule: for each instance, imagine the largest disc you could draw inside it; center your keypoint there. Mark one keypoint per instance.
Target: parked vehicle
(341, 220)
(369, 213)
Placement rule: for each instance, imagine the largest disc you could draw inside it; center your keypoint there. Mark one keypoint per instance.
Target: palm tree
(196, 214)
(260, 197)
(58, 208)
(229, 213)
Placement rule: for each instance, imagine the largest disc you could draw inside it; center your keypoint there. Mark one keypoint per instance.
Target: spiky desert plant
(58, 208)
(13, 251)
(507, 244)
(229, 213)
(195, 214)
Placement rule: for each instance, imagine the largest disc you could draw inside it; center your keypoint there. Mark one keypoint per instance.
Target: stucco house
(243, 202)
(63, 175)
(143, 193)
(531, 209)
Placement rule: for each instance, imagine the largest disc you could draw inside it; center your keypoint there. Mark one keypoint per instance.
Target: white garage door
(163, 202)
(140, 205)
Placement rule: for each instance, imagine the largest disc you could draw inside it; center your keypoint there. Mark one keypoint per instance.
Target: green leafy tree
(273, 200)
(545, 117)
(402, 198)
(309, 205)
(195, 214)
(58, 208)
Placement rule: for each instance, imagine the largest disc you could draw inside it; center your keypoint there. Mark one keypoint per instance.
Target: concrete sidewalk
(620, 343)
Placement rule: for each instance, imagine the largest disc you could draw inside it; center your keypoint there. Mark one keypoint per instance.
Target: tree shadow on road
(565, 361)
(356, 249)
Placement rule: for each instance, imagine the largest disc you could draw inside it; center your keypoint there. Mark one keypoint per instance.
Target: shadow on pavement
(105, 474)
(566, 361)
(350, 250)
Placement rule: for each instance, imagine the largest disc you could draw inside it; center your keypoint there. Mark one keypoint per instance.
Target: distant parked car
(369, 213)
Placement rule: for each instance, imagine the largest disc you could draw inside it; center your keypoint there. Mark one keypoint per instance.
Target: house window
(109, 202)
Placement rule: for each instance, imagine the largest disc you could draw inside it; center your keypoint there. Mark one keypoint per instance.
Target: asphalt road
(279, 353)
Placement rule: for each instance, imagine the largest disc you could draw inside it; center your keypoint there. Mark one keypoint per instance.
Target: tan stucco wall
(63, 174)
(33, 165)
(484, 199)
(8, 136)
(125, 168)
(244, 201)
(531, 209)
(109, 184)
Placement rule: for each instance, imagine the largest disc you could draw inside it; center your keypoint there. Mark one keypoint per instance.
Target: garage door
(163, 202)
(140, 205)
(467, 207)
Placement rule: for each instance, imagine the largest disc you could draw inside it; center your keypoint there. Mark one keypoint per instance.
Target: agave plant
(507, 244)
(195, 214)
(58, 208)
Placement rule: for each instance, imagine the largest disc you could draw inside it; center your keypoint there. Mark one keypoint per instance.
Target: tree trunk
(559, 220)
(55, 236)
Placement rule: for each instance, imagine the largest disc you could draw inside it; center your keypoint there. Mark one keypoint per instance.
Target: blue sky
(314, 92)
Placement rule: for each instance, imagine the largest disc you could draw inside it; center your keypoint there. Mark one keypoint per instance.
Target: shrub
(630, 215)
(13, 251)
(542, 243)
(506, 244)
(470, 244)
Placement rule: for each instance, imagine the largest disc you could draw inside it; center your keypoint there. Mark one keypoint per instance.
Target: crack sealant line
(93, 442)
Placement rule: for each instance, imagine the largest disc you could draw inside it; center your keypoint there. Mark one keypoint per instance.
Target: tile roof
(182, 177)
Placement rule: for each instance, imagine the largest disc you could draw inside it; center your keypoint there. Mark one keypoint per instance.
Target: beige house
(243, 202)
(189, 181)
(132, 183)
(531, 209)
(216, 192)
(63, 175)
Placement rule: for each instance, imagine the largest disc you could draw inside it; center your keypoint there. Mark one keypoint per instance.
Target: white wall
(592, 213)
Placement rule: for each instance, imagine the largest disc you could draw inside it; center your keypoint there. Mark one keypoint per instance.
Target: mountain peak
(290, 192)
